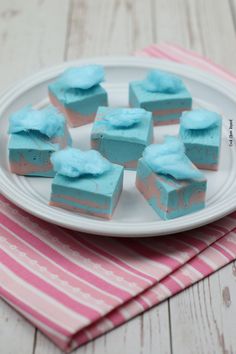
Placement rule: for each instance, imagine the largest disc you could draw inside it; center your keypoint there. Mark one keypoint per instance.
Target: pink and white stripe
(75, 288)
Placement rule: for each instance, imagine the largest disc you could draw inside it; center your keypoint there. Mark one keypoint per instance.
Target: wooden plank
(44, 346)
(217, 32)
(148, 333)
(232, 5)
(203, 316)
(16, 333)
(109, 27)
(174, 24)
(207, 27)
(227, 286)
(204, 26)
(32, 36)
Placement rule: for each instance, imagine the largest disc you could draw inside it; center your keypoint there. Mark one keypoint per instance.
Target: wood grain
(172, 23)
(15, 332)
(31, 37)
(215, 26)
(148, 333)
(204, 26)
(108, 27)
(203, 317)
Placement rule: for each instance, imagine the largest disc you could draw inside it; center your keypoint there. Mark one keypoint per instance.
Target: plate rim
(101, 227)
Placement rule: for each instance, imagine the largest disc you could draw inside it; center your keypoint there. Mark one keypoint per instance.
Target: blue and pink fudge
(169, 181)
(90, 182)
(86, 182)
(121, 134)
(78, 93)
(200, 131)
(163, 94)
(35, 135)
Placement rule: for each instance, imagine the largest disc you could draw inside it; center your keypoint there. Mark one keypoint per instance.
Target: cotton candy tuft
(169, 159)
(83, 77)
(172, 145)
(162, 82)
(73, 163)
(125, 117)
(199, 119)
(47, 121)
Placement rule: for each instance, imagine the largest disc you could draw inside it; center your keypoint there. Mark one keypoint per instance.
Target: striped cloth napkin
(74, 287)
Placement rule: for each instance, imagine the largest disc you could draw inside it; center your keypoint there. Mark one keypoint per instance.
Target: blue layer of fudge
(121, 134)
(163, 94)
(169, 181)
(86, 182)
(78, 93)
(35, 135)
(200, 131)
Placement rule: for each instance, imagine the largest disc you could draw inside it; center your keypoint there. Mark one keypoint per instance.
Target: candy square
(121, 134)
(202, 142)
(169, 181)
(78, 102)
(90, 194)
(165, 105)
(170, 198)
(30, 149)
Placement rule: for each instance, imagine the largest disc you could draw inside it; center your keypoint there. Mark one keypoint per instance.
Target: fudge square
(121, 134)
(200, 131)
(163, 94)
(178, 189)
(35, 135)
(86, 182)
(77, 93)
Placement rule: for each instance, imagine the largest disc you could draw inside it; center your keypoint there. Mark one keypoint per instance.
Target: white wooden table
(39, 33)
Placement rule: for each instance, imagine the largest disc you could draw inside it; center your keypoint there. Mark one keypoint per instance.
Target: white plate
(133, 216)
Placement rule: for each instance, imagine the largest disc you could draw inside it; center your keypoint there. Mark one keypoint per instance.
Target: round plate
(133, 216)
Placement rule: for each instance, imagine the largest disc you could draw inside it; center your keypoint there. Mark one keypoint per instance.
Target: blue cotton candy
(172, 145)
(162, 82)
(83, 77)
(169, 159)
(72, 162)
(47, 121)
(199, 119)
(125, 117)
